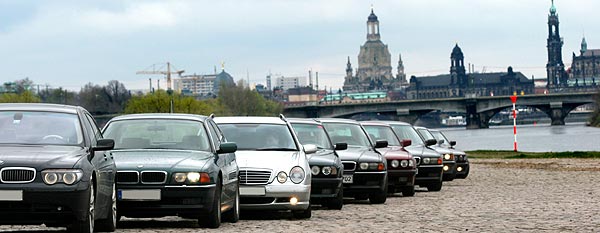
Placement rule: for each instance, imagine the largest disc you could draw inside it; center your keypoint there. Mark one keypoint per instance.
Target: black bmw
(53, 168)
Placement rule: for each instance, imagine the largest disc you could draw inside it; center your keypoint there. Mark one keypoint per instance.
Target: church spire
(372, 27)
(553, 8)
(583, 46)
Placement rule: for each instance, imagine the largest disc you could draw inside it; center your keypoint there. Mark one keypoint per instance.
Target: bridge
(479, 109)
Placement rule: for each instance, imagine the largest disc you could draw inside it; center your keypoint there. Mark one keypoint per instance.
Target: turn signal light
(204, 178)
(439, 160)
(380, 167)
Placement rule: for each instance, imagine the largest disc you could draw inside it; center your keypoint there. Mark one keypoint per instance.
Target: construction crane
(160, 70)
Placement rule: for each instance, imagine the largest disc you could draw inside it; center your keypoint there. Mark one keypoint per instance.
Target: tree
(241, 101)
(159, 102)
(24, 97)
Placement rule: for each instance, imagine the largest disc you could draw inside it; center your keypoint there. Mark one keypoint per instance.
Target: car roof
(174, 116)
(374, 123)
(420, 127)
(304, 121)
(337, 120)
(40, 107)
(249, 120)
(395, 122)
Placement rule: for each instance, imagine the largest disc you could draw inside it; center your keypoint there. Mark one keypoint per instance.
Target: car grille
(154, 177)
(17, 175)
(127, 177)
(254, 177)
(418, 160)
(349, 166)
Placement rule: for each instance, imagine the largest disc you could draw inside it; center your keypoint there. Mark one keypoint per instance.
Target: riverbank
(500, 154)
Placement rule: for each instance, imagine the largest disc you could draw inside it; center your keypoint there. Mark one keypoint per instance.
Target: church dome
(372, 17)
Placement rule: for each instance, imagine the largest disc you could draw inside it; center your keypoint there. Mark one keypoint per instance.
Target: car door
(104, 164)
(225, 164)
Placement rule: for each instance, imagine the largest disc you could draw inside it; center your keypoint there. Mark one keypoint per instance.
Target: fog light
(293, 201)
(446, 168)
(459, 169)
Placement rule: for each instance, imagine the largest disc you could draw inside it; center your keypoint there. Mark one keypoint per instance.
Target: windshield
(426, 134)
(40, 128)
(440, 136)
(158, 134)
(407, 132)
(352, 134)
(312, 134)
(259, 136)
(384, 133)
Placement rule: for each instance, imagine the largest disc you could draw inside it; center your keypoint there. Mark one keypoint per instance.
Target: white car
(274, 170)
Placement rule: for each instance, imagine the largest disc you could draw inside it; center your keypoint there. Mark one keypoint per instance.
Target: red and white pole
(514, 101)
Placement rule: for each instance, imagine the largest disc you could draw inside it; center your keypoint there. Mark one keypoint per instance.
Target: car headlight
(179, 177)
(281, 177)
(404, 163)
(315, 170)
(297, 175)
(448, 157)
(395, 163)
(364, 166)
(426, 160)
(327, 170)
(66, 176)
(193, 177)
(372, 166)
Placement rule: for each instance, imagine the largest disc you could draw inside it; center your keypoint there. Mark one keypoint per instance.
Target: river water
(530, 138)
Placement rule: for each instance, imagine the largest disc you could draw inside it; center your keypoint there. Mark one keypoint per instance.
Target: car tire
(337, 202)
(434, 187)
(87, 225)
(233, 215)
(110, 223)
(303, 214)
(408, 191)
(213, 219)
(379, 197)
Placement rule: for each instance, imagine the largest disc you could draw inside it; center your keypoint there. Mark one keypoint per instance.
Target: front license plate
(348, 179)
(252, 191)
(139, 194)
(11, 195)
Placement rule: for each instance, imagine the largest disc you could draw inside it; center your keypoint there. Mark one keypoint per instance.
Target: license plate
(252, 191)
(348, 179)
(11, 195)
(139, 194)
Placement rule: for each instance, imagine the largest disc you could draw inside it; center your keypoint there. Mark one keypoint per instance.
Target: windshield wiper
(275, 149)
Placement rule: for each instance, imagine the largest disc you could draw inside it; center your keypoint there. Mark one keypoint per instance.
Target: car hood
(181, 160)
(443, 150)
(394, 152)
(324, 158)
(359, 154)
(41, 157)
(274, 160)
(422, 151)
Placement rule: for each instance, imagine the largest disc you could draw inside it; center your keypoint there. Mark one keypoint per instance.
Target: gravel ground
(541, 195)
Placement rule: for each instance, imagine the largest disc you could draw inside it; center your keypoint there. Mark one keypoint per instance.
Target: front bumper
(365, 182)
(277, 197)
(325, 187)
(449, 168)
(59, 203)
(429, 174)
(190, 200)
(401, 178)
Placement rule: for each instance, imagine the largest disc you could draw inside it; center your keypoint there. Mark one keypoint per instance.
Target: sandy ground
(535, 195)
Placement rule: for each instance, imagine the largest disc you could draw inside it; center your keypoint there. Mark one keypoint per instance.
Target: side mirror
(406, 142)
(341, 146)
(104, 144)
(310, 148)
(440, 142)
(452, 143)
(227, 147)
(430, 142)
(381, 144)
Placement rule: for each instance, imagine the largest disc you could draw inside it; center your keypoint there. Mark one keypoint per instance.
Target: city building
(555, 68)
(374, 64)
(460, 84)
(585, 68)
(202, 85)
(289, 82)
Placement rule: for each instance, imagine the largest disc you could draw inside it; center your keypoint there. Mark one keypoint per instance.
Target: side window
(218, 131)
(88, 130)
(97, 133)
(214, 136)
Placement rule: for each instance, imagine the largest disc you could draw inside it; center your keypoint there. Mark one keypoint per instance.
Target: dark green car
(174, 164)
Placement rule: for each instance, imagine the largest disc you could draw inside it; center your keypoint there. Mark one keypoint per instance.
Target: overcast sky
(71, 43)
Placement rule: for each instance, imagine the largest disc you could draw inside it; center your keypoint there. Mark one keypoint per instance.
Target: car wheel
(87, 225)
(379, 197)
(337, 202)
(303, 214)
(213, 219)
(434, 187)
(110, 223)
(233, 215)
(408, 191)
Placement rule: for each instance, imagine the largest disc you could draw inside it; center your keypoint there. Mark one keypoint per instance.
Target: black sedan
(174, 164)
(325, 165)
(54, 168)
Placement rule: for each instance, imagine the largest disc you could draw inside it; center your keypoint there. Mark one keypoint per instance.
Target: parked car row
(59, 169)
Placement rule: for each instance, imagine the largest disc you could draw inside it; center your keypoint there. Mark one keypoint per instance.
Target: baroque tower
(555, 69)
(401, 76)
(457, 68)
